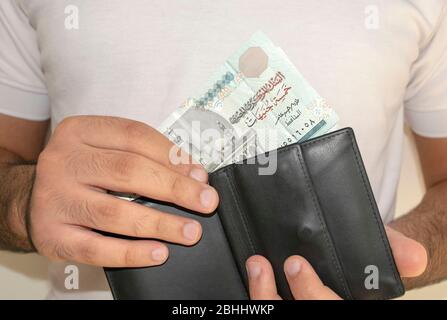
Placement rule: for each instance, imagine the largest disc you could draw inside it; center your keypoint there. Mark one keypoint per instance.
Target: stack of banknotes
(257, 101)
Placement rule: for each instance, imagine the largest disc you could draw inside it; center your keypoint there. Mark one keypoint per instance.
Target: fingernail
(191, 230)
(159, 254)
(292, 267)
(199, 175)
(253, 270)
(207, 197)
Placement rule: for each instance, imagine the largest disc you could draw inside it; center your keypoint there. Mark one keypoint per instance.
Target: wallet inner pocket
(265, 209)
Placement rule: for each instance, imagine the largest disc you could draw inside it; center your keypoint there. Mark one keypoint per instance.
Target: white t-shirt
(377, 62)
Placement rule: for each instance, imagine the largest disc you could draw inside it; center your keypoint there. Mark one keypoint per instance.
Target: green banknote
(257, 101)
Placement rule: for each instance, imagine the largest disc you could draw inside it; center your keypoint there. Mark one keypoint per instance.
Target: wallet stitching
(241, 213)
(324, 138)
(329, 244)
(285, 149)
(231, 166)
(382, 236)
(388, 253)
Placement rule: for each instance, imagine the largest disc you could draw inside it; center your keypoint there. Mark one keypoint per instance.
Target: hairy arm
(427, 223)
(20, 144)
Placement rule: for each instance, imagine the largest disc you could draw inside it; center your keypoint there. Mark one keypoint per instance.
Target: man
(376, 62)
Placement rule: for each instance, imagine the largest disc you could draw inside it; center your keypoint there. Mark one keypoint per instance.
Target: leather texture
(318, 204)
(205, 271)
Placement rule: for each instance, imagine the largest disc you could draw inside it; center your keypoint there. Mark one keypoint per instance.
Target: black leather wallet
(318, 203)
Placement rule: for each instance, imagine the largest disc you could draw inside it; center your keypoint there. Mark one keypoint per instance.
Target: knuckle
(63, 207)
(155, 176)
(93, 163)
(86, 163)
(108, 211)
(141, 226)
(67, 125)
(159, 224)
(54, 249)
(130, 256)
(86, 250)
(175, 187)
(89, 216)
(56, 158)
(185, 168)
(47, 194)
(63, 251)
(136, 131)
(122, 167)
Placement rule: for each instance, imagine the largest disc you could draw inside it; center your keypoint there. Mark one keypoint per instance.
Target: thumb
(410, 255)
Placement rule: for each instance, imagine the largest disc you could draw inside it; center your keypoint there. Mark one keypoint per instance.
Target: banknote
(256, 101)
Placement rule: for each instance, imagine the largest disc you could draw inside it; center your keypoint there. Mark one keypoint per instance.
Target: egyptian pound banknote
(257, 101)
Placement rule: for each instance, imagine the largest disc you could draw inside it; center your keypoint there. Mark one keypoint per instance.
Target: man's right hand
(88, 155)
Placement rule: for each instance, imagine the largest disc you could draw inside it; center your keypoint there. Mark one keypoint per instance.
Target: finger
(131, 173)
(135, 137)
(261, 279)
(88, 247)
(304, 281)
(410, 256)
(107, 213)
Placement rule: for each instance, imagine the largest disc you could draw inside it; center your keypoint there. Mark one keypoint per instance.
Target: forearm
(16, 180)
(427, 223)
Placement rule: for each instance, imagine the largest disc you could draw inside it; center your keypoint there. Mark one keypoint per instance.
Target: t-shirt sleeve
(426, 95)
(23, 92)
